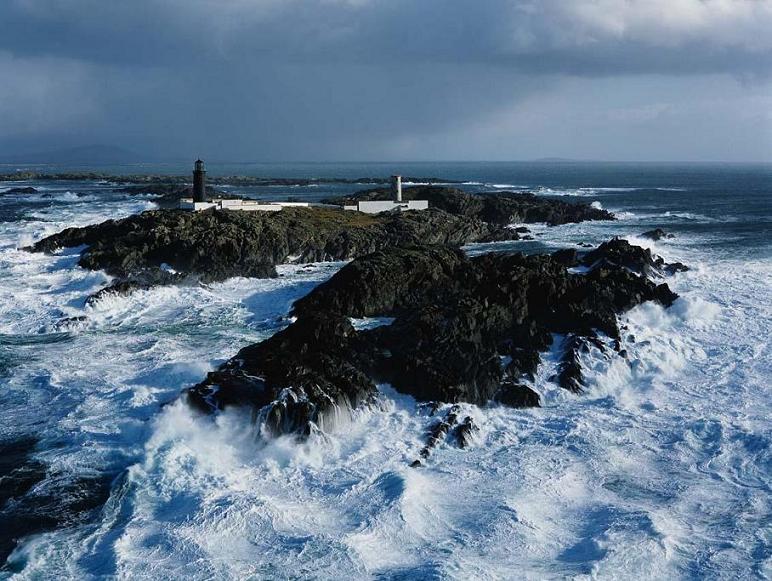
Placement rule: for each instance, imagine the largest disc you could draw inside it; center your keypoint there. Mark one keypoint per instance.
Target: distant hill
(89, 154)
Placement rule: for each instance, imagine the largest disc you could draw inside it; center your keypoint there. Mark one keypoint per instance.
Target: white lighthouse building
(396, 203)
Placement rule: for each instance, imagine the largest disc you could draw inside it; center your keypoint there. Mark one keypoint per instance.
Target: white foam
(371, 322)
(657, 471)
(507, 186)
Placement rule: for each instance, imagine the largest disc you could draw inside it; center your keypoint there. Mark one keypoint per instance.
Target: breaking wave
(660, 470)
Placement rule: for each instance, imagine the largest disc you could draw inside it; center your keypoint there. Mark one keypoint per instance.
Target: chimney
(199, 182)
(396, 188)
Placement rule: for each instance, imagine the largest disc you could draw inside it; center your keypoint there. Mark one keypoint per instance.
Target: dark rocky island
(464, 330)
(656, 234)
(459, 329)
(213, 246)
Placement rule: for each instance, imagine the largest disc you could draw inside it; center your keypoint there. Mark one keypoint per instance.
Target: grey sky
(390, 79)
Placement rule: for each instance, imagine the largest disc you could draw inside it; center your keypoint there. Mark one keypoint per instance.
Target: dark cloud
(313, 79)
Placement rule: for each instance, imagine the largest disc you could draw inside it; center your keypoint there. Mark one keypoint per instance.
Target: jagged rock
(454, 319)
(214, 246)
(33, 499)
(297, 377)
(673, 267)
(523, 362)
(517, 395)
(566, 256)
(439, 431)
(620, 252)
(140, 280)
(387, 282)
(120, 288)
(569, 374)
(656, 234)
(465, 432)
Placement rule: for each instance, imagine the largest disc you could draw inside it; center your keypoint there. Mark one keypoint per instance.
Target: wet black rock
(566, 256)
(517, 395)
(619, 252)
(569, 374)
(656, 234)
(455, 320)
(523, 362)
(35, 499)
(465, 432)
(21, 190)
(120, 288)
(439, 430)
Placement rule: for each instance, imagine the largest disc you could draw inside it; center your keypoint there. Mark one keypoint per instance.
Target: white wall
(377, 206)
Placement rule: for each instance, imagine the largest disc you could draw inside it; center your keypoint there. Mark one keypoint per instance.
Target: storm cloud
(396, 79)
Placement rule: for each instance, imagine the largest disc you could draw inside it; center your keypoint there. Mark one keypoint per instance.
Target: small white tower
(396, 188)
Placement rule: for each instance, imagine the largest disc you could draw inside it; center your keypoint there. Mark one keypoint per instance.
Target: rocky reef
(458, 329)
(500, 208)
(174, 246)
(656, 234)
(213, 246)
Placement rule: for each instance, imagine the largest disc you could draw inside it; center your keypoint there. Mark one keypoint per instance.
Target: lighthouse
(199, 182)
(396, 188)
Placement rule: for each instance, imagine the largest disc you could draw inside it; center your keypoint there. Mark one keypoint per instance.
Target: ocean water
(661, 470)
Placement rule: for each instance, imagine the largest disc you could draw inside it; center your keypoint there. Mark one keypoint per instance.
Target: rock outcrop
(620, 252)
(464, 330)
(214, 246)
(656, 234)
(176, 246)
(500, 208)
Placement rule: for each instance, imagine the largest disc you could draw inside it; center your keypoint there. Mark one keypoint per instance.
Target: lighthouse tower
(396, 188)
(199, 182)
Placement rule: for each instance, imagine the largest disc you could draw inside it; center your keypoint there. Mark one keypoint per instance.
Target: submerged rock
(120, 288)
(656, 234)
(20, 190)
(35, 499)
(454, 319)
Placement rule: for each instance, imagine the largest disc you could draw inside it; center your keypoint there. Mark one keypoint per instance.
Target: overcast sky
(390, 79)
